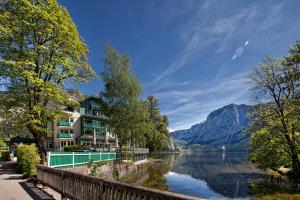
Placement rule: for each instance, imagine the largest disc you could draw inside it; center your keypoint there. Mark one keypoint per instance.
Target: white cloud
(209, 31)
(187, 107)
(202, 30)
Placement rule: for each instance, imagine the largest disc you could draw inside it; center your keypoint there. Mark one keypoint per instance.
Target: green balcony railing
(93, 125)
(64, 135)
(63, 123)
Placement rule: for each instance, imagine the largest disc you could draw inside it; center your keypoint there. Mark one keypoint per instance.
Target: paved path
(14, 187)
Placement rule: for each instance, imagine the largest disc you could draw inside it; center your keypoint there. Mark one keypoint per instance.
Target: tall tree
(40, 49)
(153, 108)
(158, 138)
(121, 93)
(275, 128)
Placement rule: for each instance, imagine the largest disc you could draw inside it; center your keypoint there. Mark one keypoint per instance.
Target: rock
(223, 127)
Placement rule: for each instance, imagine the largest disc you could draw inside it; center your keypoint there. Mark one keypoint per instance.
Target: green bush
(73, 148)
(5, 154)
(127, 155)
(2, 144)
(27, 158)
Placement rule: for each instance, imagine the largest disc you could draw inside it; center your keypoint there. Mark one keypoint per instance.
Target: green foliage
(27, 158)
(73, 148)
(127, 156)
(135, 122)
(5, 154)
(40, 49)
(121, 94)
(275, 127)
(158, 138)
(2, 144)
(284, 196)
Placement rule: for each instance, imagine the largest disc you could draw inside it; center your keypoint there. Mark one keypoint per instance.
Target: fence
(80, 187)
(72, 159)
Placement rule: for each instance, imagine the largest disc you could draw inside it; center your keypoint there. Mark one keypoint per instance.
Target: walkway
(14, 187)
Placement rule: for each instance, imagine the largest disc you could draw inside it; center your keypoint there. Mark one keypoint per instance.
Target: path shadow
(34, 192)
(19, 177)
(8, 167)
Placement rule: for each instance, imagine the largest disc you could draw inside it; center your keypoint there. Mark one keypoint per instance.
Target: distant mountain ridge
(224, 126)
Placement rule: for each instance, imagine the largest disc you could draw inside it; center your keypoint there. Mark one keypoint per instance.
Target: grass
(278, 197)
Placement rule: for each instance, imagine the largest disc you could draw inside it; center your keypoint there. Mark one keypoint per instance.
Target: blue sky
(194, 55)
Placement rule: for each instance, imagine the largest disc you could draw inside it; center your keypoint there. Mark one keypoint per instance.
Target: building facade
(86, 127)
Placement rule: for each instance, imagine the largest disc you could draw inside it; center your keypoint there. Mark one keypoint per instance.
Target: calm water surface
(206, 175)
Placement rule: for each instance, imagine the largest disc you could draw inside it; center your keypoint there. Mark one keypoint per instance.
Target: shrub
(5, 154)
(27, 158)
(127, 155)
(2, 144)
(73, 148)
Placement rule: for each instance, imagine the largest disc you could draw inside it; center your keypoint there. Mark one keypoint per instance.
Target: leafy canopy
(136, 123)
(40, 53)
(275, 123)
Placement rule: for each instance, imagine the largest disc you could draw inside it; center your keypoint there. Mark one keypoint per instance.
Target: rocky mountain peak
(222, 126)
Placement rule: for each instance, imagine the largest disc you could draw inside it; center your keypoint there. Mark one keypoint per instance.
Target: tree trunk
(39, 141)
(296, 164)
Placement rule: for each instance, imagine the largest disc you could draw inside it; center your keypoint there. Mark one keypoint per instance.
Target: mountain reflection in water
(206, 175)
(226, 174)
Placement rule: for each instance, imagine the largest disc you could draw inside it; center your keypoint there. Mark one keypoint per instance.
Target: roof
(92, 97)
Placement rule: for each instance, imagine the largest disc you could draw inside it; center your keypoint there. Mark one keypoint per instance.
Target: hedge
(5, 154)
(27, 158)
(73, 148)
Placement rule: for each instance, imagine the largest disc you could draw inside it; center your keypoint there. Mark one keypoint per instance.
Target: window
(72, 120)
(88, 121)
(50, 145)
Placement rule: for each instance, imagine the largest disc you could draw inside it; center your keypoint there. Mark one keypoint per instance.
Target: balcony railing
(64, 135)
(63, 123)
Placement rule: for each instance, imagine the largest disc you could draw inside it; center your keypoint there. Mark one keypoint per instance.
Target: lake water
(207, 175)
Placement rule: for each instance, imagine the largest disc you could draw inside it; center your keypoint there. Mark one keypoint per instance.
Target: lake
(209, 175)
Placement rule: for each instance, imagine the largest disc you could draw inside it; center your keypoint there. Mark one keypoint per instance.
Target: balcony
(89, 125)
(50, 134)
(64, 135)
(63, 123)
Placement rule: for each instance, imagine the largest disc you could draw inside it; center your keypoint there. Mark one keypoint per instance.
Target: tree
(153, 108)
(275, 130)
(158, 138)
(40, 49)
(141, 125)
(121, 93)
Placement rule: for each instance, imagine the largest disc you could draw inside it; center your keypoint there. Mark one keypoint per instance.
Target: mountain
(224, 126)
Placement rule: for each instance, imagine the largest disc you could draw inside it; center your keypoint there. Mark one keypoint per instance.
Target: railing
(141, 151)
(64, 135)
(72, 159)
(80, 187)
(93, 125)
(63, 123)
